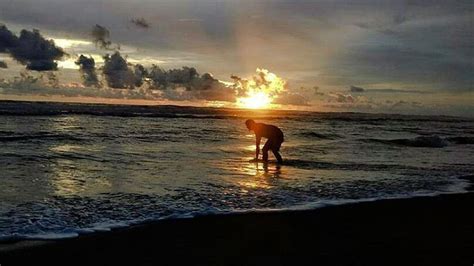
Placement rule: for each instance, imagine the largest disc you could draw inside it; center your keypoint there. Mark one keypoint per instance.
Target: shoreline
(9, 243)
(427, 230)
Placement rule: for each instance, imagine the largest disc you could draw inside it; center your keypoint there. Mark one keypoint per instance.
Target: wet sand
(418, 231)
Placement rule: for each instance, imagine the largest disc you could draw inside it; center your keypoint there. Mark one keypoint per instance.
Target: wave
(351, 166)
(38, 136)
(23, 108)
(461, 140)
(56, 228)
(425, 141)
(420, 141)
(14, 108)
(311, 134)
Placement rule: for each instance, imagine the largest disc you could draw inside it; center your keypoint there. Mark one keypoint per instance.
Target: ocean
(68, 169)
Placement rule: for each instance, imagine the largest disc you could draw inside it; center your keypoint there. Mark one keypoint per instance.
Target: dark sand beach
(418, 231)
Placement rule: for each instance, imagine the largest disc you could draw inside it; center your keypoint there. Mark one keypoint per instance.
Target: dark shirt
(268, 131)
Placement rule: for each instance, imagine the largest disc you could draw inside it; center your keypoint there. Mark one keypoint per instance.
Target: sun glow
(255, 101)
(70, 43)
(260, 91)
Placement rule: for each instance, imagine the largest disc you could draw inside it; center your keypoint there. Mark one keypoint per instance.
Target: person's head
(250, 123)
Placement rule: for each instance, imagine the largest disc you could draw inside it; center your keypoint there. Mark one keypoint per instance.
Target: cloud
(399, 18)
(403, 104)
(299, 96)
(31, 49)
(289, 98)
(117, 73)
(316, 91)
(141, 23)
(101, 36)
(174, 84)
(88, 71)
(43, 85)
(139, 74)
(187, 84)
(342, 98)
(398, 91)
(356, 89)
(8, 40)
(386, 26)
(178, 86)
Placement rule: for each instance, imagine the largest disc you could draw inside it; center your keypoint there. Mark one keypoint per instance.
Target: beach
(415, 231)
(89, 184)
(277, 132)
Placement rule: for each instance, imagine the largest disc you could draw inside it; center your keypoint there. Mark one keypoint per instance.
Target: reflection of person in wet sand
(272, 133)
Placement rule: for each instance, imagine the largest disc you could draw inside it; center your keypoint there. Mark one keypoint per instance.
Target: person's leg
(265, 149)
(277, 156)
(275, 149)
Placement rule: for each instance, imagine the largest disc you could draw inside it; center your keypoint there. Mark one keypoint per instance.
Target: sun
(260, 91)
(256, 101)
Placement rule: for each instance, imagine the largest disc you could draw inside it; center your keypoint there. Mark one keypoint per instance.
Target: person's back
(272, 133)
(268, 131)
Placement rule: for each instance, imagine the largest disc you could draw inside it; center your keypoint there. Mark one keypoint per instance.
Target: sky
(413, 57)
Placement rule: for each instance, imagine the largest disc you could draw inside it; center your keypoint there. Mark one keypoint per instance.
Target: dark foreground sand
(420, 231)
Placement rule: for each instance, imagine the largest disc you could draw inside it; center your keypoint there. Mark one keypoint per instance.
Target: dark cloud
(316, 91)
(290, 98)
(399, 18)
(31, 49)
(46, 85)
(342, 98)
(398, 91)
(162, 79)
(88, 71)
(389, 63)
(356, 89)
(173, 84)
(139, 74)
(187, 84)
(101, 36)
(3, 64)
(385, 26)
(362, 25)
(404, 104)
(140, 22)
(8, 40)
(117, 73)
(42, 65)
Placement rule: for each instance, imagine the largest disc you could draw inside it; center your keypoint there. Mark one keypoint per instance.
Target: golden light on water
(260, 91)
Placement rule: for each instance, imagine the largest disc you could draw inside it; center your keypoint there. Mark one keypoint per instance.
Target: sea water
(67, 169)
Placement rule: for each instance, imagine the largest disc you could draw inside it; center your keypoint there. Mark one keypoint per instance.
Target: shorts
(273, 144)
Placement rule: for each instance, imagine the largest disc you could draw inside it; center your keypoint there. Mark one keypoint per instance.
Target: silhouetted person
(272, 133)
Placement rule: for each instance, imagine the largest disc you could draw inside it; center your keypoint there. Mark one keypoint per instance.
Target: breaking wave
(311, 134)
(39, 137)
(425, 141)
(461, 140)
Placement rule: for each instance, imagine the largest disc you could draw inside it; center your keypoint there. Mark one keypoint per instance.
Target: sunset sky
(412, 57)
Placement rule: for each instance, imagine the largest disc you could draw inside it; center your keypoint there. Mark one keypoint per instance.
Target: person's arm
(257, 144)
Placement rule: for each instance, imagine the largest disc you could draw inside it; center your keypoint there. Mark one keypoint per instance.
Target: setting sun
(255, 101)
(259, 91)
